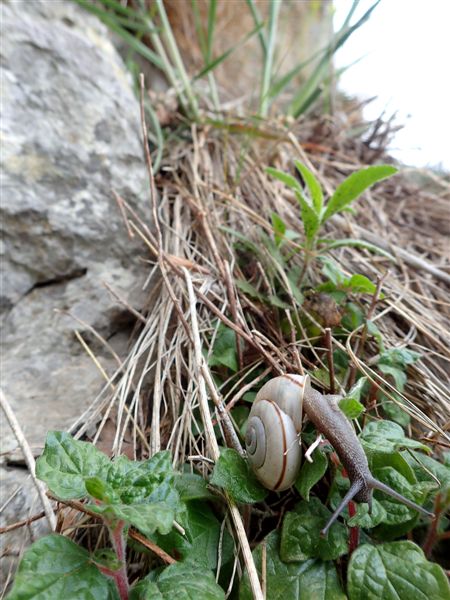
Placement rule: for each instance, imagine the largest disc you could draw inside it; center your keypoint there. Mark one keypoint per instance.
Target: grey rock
(70, 133)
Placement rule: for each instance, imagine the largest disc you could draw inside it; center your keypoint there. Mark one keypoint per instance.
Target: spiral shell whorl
(255, 441)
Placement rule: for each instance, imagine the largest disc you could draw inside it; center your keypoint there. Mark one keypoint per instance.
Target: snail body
(273, 440)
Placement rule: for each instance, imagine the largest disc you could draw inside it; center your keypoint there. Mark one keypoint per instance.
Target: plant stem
(118, 541)
(354, 531)
(432, 534)
(329, 347)
(176, 57)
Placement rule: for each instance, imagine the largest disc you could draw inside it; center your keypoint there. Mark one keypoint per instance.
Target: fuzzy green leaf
(306, 580)
(352, 187)
(192, 487)
(279, 228)
(311, 472)
(387, 437)
(310, 219)
(366, 520)
(66, 463)
(148, 518)
(351, 407)
(395, 571)
(180, 581)
(315, 190)
(285, 178)
(202, 541)
(55, 567)
(300, 534)
(234, 474)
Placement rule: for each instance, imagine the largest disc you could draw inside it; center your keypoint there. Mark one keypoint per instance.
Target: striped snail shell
(273, 428)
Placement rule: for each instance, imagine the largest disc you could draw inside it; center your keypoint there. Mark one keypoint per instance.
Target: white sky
(406, 45)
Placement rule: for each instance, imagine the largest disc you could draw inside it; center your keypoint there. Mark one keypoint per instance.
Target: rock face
(70, 134)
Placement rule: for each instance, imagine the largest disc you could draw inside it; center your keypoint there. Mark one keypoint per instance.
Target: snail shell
(273, 428)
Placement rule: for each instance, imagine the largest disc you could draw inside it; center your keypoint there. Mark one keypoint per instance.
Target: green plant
(147, 495)
(315, 212)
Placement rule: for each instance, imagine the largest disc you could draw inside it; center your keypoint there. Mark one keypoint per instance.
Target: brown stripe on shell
(283, 468)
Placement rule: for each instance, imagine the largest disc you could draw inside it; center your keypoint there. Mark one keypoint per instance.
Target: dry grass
(163, 395)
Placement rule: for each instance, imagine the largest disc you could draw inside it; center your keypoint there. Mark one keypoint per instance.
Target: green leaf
(357, 244)
(360, 284)
(279, 228)
(353, 316)
(398, 375)
(55, 567)
(148, 518)
(106, 558)
(66, 463)
(224, 351)
(234, 474)
(395, 571)
(300, 534)
(399, 357)
(249, 289)
(351, 407)
(364, 519)
(311, 472)
(386, 437)
(192, 487)
(373, 330)
(396, 512)
(393, 410)
(202, 540)
(332, 271)
(310, 219)
(180, 581)
(314, 187)
(423, 465)
(352, 187)
(285, 178)
(306, 580)
(321, 582)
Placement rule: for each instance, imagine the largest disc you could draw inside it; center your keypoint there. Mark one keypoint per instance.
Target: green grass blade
(264, 101)
(176, 57)
(212, 11)
(199, 28)
(131, 40)
(303, 98)
(259, 25)
(315, 190)
(212, 65)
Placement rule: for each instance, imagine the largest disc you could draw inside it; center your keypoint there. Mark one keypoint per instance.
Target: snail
(274, 451)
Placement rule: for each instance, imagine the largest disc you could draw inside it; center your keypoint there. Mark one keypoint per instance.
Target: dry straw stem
(214, 448)
(29, 458)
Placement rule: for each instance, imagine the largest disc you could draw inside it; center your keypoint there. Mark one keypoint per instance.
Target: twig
(329, 347)
(359, 346)
(135, 535)
(29, 458)
(19, 524)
